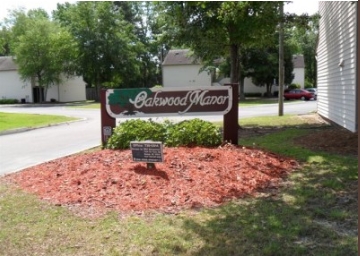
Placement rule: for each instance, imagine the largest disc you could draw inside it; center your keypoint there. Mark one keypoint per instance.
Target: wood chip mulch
(188, 178)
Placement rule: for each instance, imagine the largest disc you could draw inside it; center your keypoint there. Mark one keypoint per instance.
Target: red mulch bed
(188, 178)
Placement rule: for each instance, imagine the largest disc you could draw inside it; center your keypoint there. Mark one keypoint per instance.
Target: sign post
(108, 123)
(231, 119)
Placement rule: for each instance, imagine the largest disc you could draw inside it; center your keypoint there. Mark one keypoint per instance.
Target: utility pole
(281, 60)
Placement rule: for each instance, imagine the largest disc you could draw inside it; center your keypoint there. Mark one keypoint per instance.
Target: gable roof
(7, 63)
(179, 57)
(298, 61)
(183, 57)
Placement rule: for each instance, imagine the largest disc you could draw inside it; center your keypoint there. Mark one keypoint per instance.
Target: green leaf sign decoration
(122, 97)
(144, 102)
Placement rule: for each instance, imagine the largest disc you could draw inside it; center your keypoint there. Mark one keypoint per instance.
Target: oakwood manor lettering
(195, 97)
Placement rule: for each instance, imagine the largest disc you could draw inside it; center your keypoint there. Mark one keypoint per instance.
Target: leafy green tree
(12, 27)
(19, 21)
(107, 43)
(160, 44)
(43, 50)
(303, 40)
(264, 66)
(143, 13)
(4, 41)
(219, 29)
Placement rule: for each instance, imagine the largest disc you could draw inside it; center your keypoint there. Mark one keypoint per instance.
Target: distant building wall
(299, 70)
(299, 77)
(181, 69)
(185, 75)
(12, 87)
(73, 89)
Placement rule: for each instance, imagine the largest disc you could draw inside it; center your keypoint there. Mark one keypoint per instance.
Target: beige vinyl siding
(185, 76)
(13, 87)
(337, 43)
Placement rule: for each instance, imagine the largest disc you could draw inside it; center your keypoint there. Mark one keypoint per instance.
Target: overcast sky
(298, 6)
(47, 5)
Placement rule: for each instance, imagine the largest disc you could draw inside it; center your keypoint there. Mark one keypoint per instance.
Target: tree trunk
(97, 88)
(40, 94)
(241, 80)
(97, 92)
(45, 92)
(234, 59)
(242, 88)
(235, 69)
(268, 90)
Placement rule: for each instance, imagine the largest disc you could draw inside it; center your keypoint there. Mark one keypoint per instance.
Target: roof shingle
(183, 57)
(298, 61)
(7, 63)
(179, 57)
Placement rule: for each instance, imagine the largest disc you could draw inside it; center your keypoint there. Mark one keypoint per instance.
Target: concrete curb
(48, 104)
(34, 105)
(25, 129)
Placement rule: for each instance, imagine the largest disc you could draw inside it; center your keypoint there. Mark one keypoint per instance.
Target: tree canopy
(107, 44)
(122, 44)
(43, 50)
(303, 39)
(215, 29)
(219, 29)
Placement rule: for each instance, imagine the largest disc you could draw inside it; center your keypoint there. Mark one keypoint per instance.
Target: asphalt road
(31, 147)
(25, 149)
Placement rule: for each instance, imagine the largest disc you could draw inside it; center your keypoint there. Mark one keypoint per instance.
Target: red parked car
(298, 94)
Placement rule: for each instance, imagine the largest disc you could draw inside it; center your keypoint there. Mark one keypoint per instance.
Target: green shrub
(308, 84)
(294, 86)
(9, 101)
(195, 132)
(135, 130)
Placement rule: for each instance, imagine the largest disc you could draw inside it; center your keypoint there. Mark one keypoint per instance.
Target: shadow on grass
(314, 213)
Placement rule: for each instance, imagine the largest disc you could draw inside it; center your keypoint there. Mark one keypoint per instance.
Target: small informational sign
(147, 151)
(107, 131)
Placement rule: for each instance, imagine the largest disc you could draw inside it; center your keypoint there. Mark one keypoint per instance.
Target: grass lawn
(271, 121)
(90, 104)
(9, 121)
(264, 101)
(257, 101)
(312, 214)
